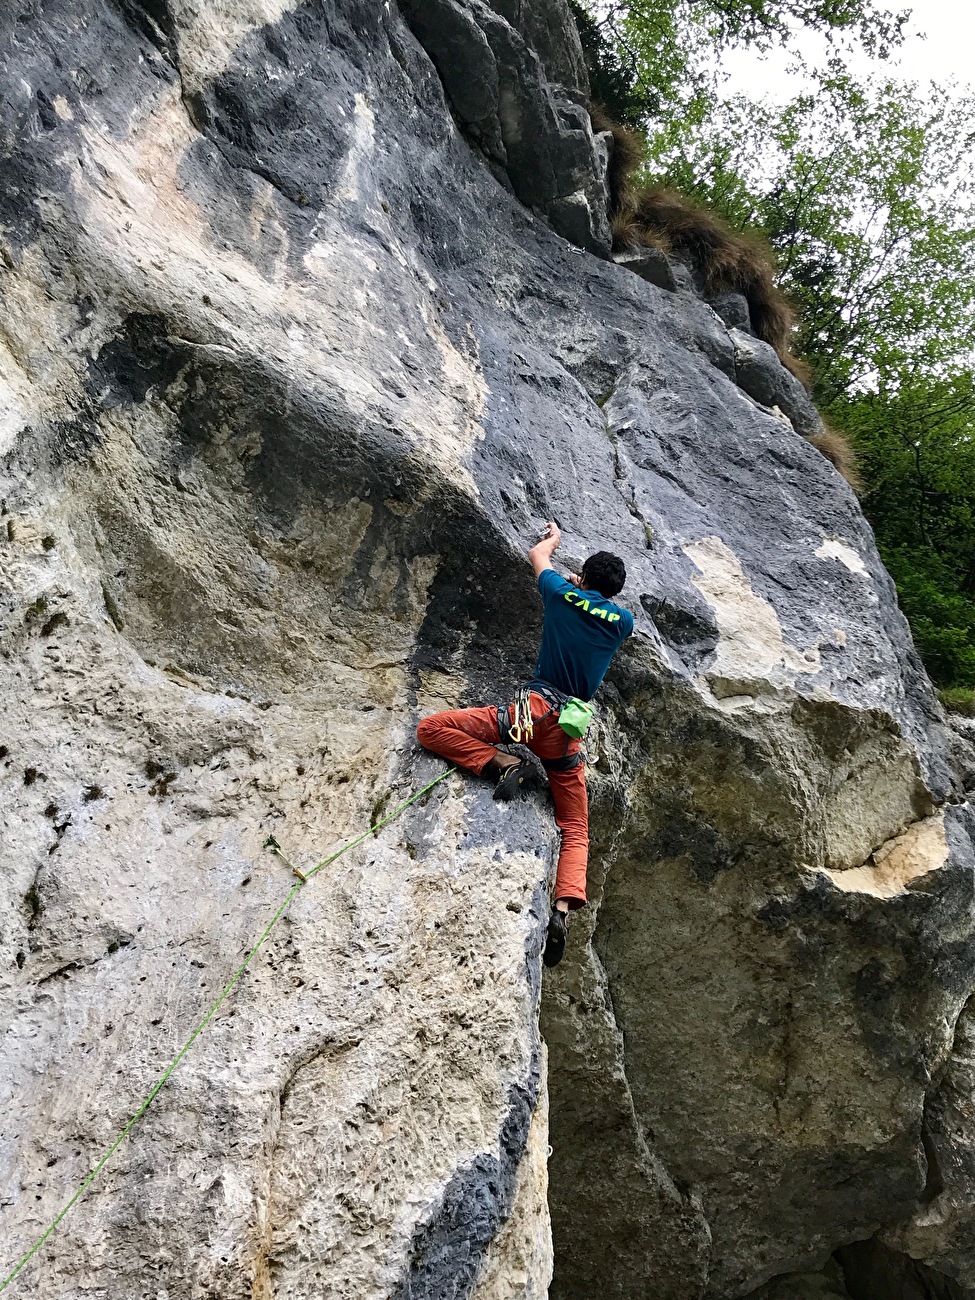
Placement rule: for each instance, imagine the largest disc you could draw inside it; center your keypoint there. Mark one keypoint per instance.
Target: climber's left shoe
(518, 778)
(555, 938)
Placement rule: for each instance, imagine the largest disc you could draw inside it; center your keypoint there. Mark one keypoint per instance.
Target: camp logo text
(596, 613)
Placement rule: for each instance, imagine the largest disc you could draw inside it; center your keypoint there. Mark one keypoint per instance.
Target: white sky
(947, 53)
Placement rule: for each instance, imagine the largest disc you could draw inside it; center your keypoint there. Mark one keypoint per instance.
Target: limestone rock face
(761, 374)
(303, 335)
(515, 77)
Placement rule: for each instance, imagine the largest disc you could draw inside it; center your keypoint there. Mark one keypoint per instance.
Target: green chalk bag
(575, 717)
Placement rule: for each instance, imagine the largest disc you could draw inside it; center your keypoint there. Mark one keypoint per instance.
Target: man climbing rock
(581, 632)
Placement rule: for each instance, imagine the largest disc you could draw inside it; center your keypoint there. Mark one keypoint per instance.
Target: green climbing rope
(271, 843)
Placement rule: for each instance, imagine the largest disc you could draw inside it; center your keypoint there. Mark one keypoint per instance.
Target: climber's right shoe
(555, 938)
(517, 778)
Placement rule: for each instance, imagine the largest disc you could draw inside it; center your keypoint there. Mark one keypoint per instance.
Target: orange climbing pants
(468, 737)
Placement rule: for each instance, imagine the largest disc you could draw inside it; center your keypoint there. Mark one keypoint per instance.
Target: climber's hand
(551, 534)
(576, 580)
(540, 555)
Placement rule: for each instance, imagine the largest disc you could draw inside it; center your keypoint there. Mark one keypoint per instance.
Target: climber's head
(604, 573)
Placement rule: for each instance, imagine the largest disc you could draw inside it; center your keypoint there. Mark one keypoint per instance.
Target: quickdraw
(522, 728)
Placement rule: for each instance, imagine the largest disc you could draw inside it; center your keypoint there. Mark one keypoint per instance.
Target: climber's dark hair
(604, 573)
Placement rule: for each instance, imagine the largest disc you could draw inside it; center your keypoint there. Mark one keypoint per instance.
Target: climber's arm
(540, 555)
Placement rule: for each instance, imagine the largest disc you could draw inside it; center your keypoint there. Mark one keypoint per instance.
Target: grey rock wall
(293, 362)
(515, 77)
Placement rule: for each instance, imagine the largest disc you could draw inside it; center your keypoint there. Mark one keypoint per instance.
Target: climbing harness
(303, 877)
(575, 717)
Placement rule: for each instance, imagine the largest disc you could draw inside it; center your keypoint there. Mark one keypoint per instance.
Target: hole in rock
(872, 1271)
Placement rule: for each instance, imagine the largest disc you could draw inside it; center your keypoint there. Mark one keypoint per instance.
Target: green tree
(652, 61)
(917, 444)
(865, 193)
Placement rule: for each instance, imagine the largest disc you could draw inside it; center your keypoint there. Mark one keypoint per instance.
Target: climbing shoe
(514, 780)
(555, 939)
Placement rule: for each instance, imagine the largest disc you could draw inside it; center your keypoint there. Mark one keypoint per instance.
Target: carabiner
(526, 721)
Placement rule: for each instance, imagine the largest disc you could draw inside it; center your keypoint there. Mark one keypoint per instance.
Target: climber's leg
(572, 817)
(554, 748)
(467, 737)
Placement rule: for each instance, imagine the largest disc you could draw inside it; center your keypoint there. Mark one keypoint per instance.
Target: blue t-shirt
(581, 632)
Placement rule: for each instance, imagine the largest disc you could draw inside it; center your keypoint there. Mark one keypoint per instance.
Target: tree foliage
(649, 59)
(917, 444)
(865, 193)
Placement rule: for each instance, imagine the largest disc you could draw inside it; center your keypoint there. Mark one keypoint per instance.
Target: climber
(581, 631)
